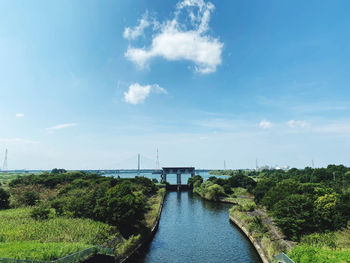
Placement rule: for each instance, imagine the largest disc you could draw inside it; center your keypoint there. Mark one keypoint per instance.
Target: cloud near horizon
(138, 93)
(298, 124)
(61, 126)
(265, 124)
(175, 40)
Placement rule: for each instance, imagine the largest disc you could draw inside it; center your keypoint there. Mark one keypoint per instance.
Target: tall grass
(323, 247)
(312, 254)
(33, 250)
(17, 225)
(154, 204)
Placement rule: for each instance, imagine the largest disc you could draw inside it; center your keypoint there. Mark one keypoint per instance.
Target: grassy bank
(34, 250)
(126, 246)
(322, 248)
(49, 215)
(18, 225)
(22, 237)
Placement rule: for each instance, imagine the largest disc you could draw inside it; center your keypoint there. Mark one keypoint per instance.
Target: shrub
(30, 198)
(40, 213)
(4, 199)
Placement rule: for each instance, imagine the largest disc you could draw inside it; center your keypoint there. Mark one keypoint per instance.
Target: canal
(195, 230)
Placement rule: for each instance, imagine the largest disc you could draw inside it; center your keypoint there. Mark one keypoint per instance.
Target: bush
(4, 199)
(30, 198)
(40, 213)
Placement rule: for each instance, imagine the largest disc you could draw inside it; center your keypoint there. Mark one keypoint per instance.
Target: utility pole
(224, 165)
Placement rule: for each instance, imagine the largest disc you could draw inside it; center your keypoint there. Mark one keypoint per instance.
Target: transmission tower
(4, 166)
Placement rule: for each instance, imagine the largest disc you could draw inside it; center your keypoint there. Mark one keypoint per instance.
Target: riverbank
(152, 221)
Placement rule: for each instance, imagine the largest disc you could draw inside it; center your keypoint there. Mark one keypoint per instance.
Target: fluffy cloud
(138, 93)
(265, 124)
(175, 40)
(135, 32)
(297, 124)
(61, 126)
(19, 115)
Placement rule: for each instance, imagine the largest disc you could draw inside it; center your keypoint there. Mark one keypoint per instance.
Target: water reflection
(194, 230)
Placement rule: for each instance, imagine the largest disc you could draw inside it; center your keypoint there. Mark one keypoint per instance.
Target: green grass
(311, 254)
(33, 250)
(323, 247)
(17, 225)
(6, 177)
(154, 204)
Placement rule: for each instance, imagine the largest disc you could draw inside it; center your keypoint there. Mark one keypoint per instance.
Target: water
(171, 178)
(194, 230)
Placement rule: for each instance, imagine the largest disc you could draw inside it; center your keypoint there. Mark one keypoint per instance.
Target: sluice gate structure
(179, 171)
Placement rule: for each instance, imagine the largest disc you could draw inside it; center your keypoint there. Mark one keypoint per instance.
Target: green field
(34, 250)
(26, 238)
(312, 254)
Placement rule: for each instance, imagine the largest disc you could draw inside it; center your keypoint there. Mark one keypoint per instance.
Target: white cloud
(135, 32)
(298, 124)
(176, 41)
(138, 93)
(265, 124)
(61, 126)
(19, 115)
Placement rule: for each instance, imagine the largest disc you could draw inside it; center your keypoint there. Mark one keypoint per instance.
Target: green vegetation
(32, 250)
(218, 189)
(309, 206)
(61, 212)
(306, 201)
(4, 199)
(18, 225)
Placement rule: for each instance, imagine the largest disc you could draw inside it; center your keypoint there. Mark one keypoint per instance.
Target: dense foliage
(306, 201)
(115, 201)
(216, 188)
(4, 199)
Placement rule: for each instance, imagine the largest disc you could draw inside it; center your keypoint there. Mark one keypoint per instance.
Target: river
(194, 230)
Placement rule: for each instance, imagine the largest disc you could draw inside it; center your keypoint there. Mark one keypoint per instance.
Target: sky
(90, 84)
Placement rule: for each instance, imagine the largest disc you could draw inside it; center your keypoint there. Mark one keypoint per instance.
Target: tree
(326, 212)
(294, 215)
(30, 198)
(214, 192)
(122, 208)
(4, 199)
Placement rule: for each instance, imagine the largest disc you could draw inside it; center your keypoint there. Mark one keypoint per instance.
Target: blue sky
(89, 84)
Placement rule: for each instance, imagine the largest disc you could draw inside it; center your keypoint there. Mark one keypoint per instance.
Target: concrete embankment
(256, 244)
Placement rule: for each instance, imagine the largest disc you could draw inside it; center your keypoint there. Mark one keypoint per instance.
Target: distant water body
(171, 178)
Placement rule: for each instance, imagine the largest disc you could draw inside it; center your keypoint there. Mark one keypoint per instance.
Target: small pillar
(178, 179)
(163, 178)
